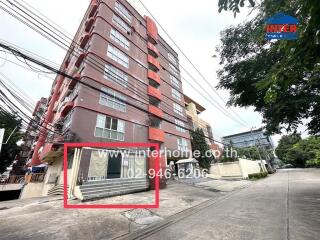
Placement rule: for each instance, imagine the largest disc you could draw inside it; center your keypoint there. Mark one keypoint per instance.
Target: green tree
(285, 144)
(279, 78)
(199, 143)
(253, 153)
(11, 149)
(300, 152)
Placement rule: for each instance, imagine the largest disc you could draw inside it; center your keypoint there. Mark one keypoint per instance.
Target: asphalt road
(283, 206)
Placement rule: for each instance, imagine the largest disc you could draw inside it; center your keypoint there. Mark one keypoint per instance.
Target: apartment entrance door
(114, 166)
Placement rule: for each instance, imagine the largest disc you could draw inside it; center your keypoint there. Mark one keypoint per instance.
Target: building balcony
(153, 50)
(93, 9)
(80, 59)
(50, 153)
(153, 63)
(73, 82)
(154, 77)
(67, 108)
(58, 124)
(55, 107)
(89, 24)
(84, 40)
(152, 30)
(156, 134)
(155, 111)
(153, 92)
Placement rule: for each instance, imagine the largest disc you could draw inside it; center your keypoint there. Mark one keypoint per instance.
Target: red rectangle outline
(109, 144)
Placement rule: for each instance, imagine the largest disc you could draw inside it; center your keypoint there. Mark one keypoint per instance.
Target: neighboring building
(252, 138)
(30, 137)
(121, 53)
(218, 150)
(193, 109)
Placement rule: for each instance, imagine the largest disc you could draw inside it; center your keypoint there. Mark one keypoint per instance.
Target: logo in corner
(281, 26)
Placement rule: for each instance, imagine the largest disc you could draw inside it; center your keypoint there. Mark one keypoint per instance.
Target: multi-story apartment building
(255, 138)
(193, 109)
(132, 92)
(32, 131)
(252, 138)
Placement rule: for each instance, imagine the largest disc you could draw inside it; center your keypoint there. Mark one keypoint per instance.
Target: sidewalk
(45, 218)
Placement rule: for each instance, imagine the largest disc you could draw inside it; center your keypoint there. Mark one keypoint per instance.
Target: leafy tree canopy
(299, 152)
(280, 78)
(199, 143)
(9, 150)
(253, 153)
(286, 142)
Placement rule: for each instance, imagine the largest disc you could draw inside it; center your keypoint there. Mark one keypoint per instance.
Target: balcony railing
(14, 179)
(156, 134)
(153, 63)
(69, 98)
(34, 177)
(154, 92)
(37, 177)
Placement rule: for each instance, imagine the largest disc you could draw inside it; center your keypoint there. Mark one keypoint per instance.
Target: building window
(178, 109)
(182, 144)
(67, 121)
(174, 81)
(180, 126)
(118, 56)
(116, 75)
(110, 128)
(121, 24)
(176, 94)
(123, 11)
(119, 38)
(113, 101)
(172, 59)
(173, 69)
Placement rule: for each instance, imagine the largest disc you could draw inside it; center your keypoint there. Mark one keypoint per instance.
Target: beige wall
(249, 167)
(197, 122)
(10, 187)
(41, 189)
(240, 168)
(31, 190)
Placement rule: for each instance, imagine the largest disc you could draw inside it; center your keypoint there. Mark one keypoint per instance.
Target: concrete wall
(10, 187)
(32, 190)
(240, 168)
(249, 167)
(41, 189)
(54, 170)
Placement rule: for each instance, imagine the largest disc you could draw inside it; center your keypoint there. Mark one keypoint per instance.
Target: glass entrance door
(114, 166)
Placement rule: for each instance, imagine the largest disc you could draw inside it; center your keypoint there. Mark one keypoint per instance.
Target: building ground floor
(98, 172)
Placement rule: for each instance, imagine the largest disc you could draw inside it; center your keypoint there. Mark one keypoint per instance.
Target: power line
(221, 109)
(167, 112)
(59, 72)
(188, 59)
(60, 41)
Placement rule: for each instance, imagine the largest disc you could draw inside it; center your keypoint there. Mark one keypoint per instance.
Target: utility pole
(254, 139)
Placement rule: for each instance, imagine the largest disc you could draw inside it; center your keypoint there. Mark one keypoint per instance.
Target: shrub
(257, 175)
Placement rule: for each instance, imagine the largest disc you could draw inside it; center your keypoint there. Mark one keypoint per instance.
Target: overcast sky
(195, 27)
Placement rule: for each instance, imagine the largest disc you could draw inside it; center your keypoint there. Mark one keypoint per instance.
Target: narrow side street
(288, 201)
(283, 206)
(55, 222)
